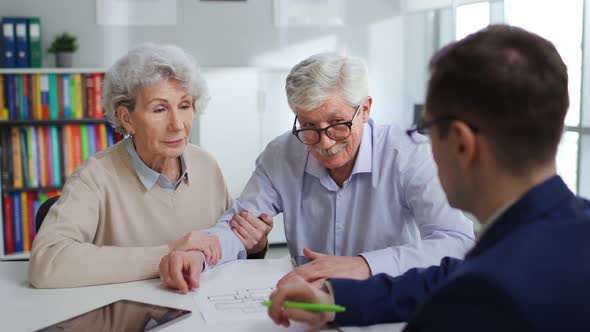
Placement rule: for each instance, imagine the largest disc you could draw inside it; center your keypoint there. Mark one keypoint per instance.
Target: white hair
(315, 79)
(147, 65)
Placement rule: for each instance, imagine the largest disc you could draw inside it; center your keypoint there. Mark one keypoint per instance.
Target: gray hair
(315, 79)
(147, 65)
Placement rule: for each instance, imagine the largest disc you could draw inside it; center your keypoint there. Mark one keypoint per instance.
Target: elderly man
(357, 198)
(495, 111)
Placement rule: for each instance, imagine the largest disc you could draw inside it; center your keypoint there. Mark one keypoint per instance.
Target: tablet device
(122, 315)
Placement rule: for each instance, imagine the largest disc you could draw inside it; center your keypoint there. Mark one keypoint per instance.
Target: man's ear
(465, 143)
(366, 109)
(125, 117)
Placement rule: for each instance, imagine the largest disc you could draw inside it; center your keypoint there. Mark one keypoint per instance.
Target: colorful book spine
(90, 110)
(55, 156)
(33, 156)
(21, 98)
(11, 95)
(99, 111)
(42, 155)
(26, 102)
(36, 96)
(91, 139)
(8, 224)
(24, 155)
(104, 136)
(67, 97)
(76, 146)
(44, 97)
(49, 155)
(3, 109)
(16, 158)
(31, 214)
(53, 97)
(66, 142)
(17, 222)
(84, 142)
(25, 221)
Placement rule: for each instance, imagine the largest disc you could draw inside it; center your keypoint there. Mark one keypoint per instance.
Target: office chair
(42, 212)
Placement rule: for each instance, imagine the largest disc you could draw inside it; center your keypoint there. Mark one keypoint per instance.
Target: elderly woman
(123, 213)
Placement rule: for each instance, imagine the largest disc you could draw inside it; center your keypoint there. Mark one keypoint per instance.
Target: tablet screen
(122, 315)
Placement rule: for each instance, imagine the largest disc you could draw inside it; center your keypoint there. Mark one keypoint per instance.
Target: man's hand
(206, 243)
(299, 290)
(328, 266)
(181, 270)
(252, 231)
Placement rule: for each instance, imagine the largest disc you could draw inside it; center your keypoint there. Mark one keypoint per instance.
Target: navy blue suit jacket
(530, 271)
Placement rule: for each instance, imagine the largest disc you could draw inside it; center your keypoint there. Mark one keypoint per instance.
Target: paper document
(234, 291)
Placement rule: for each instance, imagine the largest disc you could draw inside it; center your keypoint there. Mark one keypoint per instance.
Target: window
(561, 22)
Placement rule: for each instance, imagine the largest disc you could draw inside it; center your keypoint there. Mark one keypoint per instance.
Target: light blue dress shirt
(148, 176)
(391, 210)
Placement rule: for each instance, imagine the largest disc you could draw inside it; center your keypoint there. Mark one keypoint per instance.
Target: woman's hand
(181, 270)
(206, 243)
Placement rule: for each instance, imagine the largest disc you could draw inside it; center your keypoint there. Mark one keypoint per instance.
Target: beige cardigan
(107, 228)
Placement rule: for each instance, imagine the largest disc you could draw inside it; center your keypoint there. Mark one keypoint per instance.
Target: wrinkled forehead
(326, 113)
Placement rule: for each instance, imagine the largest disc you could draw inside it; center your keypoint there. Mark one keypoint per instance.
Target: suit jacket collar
(534, 203)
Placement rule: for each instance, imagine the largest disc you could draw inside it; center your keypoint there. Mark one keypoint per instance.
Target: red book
(31, 216)
(99, 112)
(48, 156)
(8, 232)
(26, 97)
(60, 98)
(76, 145)
(90, 110)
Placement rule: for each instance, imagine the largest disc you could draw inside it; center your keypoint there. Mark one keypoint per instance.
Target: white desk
(23, 308)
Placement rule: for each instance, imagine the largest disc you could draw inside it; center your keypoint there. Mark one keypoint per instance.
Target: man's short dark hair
(509, 83)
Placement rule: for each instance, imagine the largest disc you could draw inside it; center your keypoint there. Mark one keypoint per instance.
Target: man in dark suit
(495, 112)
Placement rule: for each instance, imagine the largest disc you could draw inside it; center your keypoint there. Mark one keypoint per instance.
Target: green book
(84, 144)
(35, 49)
(55, 158)
(53, 101)
(21, 97)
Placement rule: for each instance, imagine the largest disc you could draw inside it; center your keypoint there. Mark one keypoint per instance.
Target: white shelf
(51, 70)
(17, 256)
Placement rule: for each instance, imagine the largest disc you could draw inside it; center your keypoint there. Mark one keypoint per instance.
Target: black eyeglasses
(422, 127)
(337, 131)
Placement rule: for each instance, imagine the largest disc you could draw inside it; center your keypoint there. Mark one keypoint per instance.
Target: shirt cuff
(381, 261)
(205, 265)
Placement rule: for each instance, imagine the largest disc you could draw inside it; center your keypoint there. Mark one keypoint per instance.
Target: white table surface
(23, 308)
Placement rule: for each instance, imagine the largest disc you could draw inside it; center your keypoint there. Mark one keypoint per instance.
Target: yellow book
(77, 93)
(25, 220)
(17, 167)
(37, 96)
(103, 136)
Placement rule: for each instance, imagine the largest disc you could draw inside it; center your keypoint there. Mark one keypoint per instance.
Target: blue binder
(21, 31)
(8, 43)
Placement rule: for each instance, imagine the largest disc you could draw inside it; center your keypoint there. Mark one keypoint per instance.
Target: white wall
(246, 59)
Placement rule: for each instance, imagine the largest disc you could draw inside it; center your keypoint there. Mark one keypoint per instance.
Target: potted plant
(63, 46)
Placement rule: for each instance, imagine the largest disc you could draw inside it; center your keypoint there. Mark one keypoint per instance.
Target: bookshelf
(51, 120)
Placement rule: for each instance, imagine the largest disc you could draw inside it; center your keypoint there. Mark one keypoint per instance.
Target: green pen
(309, 306)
